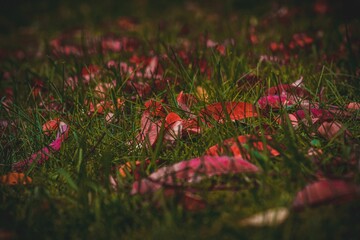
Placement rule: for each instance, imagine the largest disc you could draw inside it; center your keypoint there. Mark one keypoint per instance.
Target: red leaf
(173, 128)
(232, 145)
(192, 202)
(103, 106)
(288, 89)
(50, 126)
(91, 70)
(185, 101)
(192, 170)
(233, 110)
(325, 191)
(155, 108)
(191, 126)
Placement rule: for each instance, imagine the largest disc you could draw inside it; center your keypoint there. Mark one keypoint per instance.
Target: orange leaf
(14, 178)
(51, 126)
(233, 145)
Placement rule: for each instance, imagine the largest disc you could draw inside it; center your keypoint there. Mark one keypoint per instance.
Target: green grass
(71, 197)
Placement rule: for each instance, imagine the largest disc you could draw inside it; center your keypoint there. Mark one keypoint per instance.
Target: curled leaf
(191, 171)
(42, 155)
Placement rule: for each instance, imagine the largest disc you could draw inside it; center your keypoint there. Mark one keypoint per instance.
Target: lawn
(179, 119)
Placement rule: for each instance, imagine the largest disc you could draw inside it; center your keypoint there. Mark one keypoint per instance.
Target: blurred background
(15, 14)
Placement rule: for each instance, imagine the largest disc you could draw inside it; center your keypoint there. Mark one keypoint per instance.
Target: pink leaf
(325, 191)
(42, 155)
(274, 102)
(192, 170)
(353, 106)
(330, 130)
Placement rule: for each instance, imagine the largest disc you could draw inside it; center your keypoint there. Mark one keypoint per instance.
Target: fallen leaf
(192, 202)
(50, 126)
(134, 168)
(103, 106)
(274, 101)
(202, 94)
(294, 89)
(185, 102)
(14, 178)
(232, 110)
(42, 155)
(191, 171)
(330, 130)
(237, 146)
(326, 191)
(173, 128)
(271, 217)
(353, 106)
